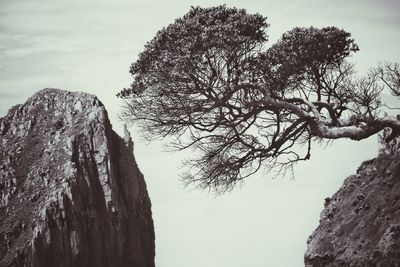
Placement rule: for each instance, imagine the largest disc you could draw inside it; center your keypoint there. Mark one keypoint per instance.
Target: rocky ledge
(71, 193)
(360, 225)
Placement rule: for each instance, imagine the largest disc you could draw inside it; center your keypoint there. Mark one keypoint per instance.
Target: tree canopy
(209, 81)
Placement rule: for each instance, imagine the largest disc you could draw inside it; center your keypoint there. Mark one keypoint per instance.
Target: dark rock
(71, 193)
(360, 225)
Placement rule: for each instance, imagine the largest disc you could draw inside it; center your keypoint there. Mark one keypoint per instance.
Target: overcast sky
(89, 46)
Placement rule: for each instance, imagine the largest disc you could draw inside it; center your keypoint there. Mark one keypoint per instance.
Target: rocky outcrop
(360, 225)
(71, 193)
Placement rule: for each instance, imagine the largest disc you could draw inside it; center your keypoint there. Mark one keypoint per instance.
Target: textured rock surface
(71, 193)
(360, 225)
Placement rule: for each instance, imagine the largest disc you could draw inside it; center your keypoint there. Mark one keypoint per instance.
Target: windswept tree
(208, 81)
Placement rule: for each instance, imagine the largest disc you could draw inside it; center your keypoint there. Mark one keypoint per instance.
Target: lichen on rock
(71, 193)
(360, 225)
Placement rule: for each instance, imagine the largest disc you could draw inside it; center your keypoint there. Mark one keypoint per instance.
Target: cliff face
(71, 193)
(360, 225)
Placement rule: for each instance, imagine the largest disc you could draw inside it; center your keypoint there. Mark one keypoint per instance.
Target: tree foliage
(208, 81)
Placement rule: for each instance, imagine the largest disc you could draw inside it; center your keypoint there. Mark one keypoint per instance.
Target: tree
(208, 81)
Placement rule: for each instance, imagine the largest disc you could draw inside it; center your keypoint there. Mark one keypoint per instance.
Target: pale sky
(89, 46)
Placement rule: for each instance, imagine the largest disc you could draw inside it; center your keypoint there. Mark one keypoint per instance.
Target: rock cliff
(71, 193)
(360, 225)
